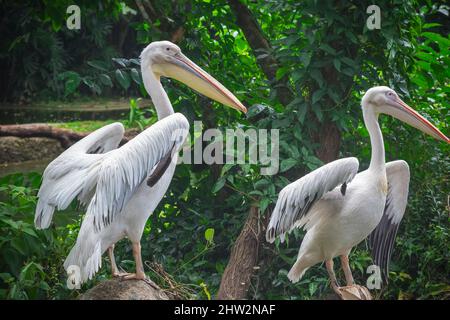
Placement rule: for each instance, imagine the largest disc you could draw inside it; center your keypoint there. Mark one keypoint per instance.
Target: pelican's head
(165, 59)
(385, 100)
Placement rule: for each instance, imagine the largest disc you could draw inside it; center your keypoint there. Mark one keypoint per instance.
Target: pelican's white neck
(156, 91)
(377, 161)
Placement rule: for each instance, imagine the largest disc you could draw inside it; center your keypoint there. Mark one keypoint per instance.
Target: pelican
(340, 208)
(121, 187)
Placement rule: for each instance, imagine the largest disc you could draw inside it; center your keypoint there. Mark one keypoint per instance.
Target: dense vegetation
(306, 81)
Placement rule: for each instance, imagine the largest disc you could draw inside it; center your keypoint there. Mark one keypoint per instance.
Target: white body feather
(337, 223)
(112, 185)
(372, 204)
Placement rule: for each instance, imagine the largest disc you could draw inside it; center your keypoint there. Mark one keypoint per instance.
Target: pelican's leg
(347, 271)
(352, 291)
(112, 260)
(140, 274)
(114, 270)
(334, 283)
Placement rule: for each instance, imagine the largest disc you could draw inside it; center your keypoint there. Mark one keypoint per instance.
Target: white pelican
(340, 208)
(112, 182)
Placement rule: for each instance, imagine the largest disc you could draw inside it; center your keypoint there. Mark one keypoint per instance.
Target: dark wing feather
(160, 168)
(382, 239)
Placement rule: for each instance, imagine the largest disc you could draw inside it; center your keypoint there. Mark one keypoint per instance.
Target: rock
(117, 289)
(13, 149)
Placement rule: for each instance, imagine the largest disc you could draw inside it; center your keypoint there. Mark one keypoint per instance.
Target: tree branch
(65, 136)
(259, 44)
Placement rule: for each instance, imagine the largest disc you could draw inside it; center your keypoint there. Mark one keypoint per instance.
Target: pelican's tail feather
(297, 271)
(88, 263)
(86, 254)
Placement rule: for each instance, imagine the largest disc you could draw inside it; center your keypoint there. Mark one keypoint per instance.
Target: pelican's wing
(381, 240)
(66, 177)
(122, 170)
(296, 199)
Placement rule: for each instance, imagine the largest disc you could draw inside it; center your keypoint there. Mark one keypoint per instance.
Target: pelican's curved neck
(377, 161)
(156, 91)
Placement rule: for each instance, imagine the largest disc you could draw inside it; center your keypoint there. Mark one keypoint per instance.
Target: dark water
(24, 167)
(28, 115)
(23, 114)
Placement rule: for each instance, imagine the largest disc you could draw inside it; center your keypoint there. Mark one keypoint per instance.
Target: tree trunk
(260, 45)
(236, 278)
(65, 136)
(171, 28)
(329, 139)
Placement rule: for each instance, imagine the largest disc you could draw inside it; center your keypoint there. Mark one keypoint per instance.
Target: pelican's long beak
(405, 113)
(183, 69)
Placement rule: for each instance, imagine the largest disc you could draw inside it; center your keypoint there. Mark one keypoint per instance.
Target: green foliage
(83, 126)
(327, 59)
(138, 117)
(43, 59)
(31, 260)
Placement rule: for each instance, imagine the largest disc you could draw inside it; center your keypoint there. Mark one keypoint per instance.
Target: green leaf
(349, 62)
(425, 56)
(44, 286)
(302, 113)
(219, 184)
(430, 25)
(317, 95)
(281, 72)
(135, 61)
(123, 78)
(31, 232)
(317, 75)
(92, 85)
(318, 112)
(286, 164)
(6, 277)
(348, 72)
(11, 223)
(136, 76)
(325, 47)
(121, 61)
(305, 58)
(72, 82)
(226, 167)
(261, 184)
(444, 42)
(263, 204)
(98, 64)
(204, 286)
(337, 64)
(106, 80)
(313, 288)
(209, 235)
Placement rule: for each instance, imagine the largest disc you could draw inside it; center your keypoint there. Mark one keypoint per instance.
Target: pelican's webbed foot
(354, 292)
